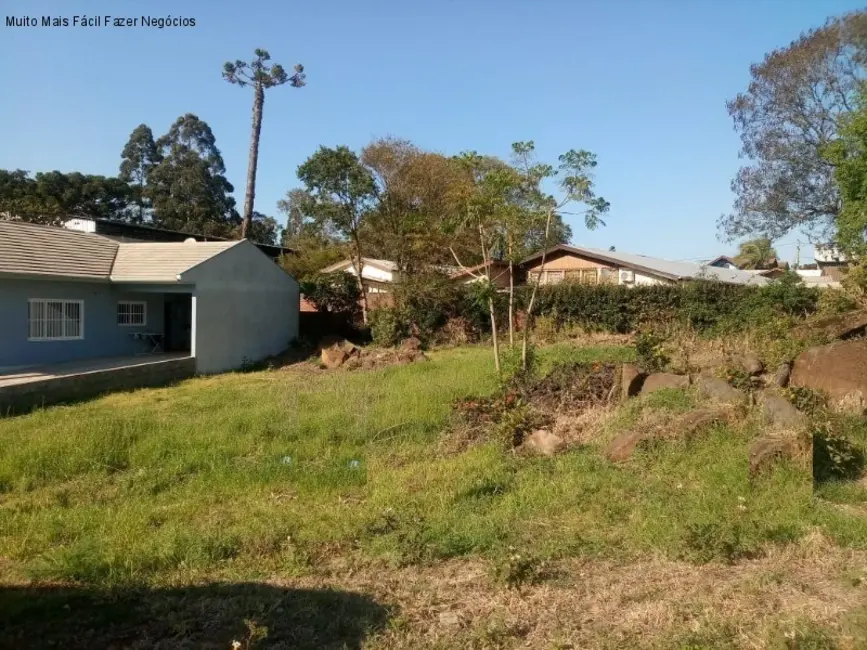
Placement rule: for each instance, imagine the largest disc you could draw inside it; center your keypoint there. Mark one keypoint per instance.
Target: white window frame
(130, 303)
(63, 303)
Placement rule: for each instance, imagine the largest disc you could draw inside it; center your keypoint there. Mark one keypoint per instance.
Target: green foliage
(650, 352)
(388, 327)
(188, 188)
(807, 400)
(720, 541)
(519, 568)
(139, 156)
(756, 253)
(836, 457)
(333, 292)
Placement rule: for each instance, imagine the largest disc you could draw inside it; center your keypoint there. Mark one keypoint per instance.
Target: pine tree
(140, 156)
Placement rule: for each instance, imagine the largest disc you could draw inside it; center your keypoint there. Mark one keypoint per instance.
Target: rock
(624, 445)
(719, 390)
(659, 380)
(780, 412)
(631, 380)
(544, 442)
(836, 326)
(333, 357)
(838, 369)
(781, 377)
(688, 424)
(852, 403)
(412, 343)
(353, 363)
(750, 364)
(764, 452)
(450, 619)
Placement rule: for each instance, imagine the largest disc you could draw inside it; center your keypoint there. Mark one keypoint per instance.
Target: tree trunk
(250, 194)
(511, 302)
(529, 316)
(494, 334)
(359, 267)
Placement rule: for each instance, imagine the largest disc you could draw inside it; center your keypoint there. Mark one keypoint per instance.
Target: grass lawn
(326, 507)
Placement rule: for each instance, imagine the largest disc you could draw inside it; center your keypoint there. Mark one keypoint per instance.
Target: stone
(333, 357)
(781, 376)
(412, 343)
(450, 619)
(719, 390)
(780, 412)
(837, 369)
(765, 452)
(836, 326)
(750, 364)
(624, 445)
(659, 380)
(631, 379)
(544, 442)
(688, 424)
(852, 403)
(353, 363)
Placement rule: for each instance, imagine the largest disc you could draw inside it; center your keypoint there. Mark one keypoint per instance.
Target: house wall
(645, 279)
(374, 273)
(564, 262)
(245, 307)
(103, 337)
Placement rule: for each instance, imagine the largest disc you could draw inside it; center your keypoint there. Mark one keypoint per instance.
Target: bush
(650, 352)
(387, 327)
(337, 293)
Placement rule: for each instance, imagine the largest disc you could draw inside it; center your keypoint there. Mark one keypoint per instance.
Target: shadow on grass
(208, 616)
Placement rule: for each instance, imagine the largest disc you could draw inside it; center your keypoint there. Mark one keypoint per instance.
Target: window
(607, 276)
(554, 277)
(132, 313)
(55, 320)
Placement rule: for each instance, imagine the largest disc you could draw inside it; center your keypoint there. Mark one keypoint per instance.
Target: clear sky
(642, 83)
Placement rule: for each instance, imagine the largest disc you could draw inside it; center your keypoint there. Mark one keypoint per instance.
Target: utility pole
(798, 255)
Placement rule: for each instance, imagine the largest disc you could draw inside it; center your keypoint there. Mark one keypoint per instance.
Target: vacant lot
(338, 509)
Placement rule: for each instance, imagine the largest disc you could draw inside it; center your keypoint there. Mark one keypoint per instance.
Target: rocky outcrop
(720, 391)
(766, 452)
(838, 369)
(837, 326)
(750, 364)
(631, 379)
(779, 412)
(782, 375)
(543, 442)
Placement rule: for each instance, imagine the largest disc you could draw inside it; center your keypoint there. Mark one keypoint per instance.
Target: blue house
(69, 296)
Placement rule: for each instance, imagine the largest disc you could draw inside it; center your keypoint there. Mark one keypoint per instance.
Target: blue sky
(642, 83)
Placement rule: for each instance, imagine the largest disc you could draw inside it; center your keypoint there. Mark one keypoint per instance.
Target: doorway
(178, 322)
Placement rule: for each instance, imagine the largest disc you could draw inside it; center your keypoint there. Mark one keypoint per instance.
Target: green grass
(249, 475)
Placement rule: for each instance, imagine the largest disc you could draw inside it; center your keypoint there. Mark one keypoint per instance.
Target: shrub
(337, 293)
(650, 352)
(387, 327)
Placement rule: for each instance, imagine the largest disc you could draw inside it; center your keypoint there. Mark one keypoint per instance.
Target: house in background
(592, 266)
(724, 262)
(122, 231)
(499, 273)
(830, 260)
(70, 296)
(376, 275)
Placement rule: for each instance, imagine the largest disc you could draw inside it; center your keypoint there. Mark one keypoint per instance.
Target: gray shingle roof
(31, 249)
(660, 267)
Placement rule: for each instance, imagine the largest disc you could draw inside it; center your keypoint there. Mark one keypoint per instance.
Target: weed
(807, 400)
(518, 569)
(650, 352)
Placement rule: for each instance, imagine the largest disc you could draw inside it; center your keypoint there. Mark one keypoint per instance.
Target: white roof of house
(662, 268)
(162, 262)
(385, 265)
(35, 250)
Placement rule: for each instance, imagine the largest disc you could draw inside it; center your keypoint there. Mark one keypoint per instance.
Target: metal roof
(385, 265)
(36, 250)
(659, 267)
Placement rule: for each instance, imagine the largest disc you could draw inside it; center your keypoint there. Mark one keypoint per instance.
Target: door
(179, 323)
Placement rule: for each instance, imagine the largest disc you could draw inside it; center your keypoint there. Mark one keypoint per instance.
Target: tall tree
(51, 197)
(756, 253)
(261, 76)
(343, 194)
(789, 113)
(140, 155)
(188, 188)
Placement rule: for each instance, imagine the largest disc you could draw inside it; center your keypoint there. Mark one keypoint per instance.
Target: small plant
(835, 457)
(738, 378)
(517, 420)
(807, 400)
(518, 569)
(387, 327)
(706, 542)
(650, 352)
(255, 633)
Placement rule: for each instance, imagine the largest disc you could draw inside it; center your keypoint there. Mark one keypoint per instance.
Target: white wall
(245, 307)
(370, 272)
(641, 278)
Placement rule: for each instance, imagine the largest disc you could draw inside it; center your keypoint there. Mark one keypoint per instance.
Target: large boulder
(780, 412)
(631, 379)
(720, 390)
(750, 364)
(337, 353)
(688, 424)
(660, 380)
(544, 442)
(782, 375)
(838, 369)
(836, 326)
